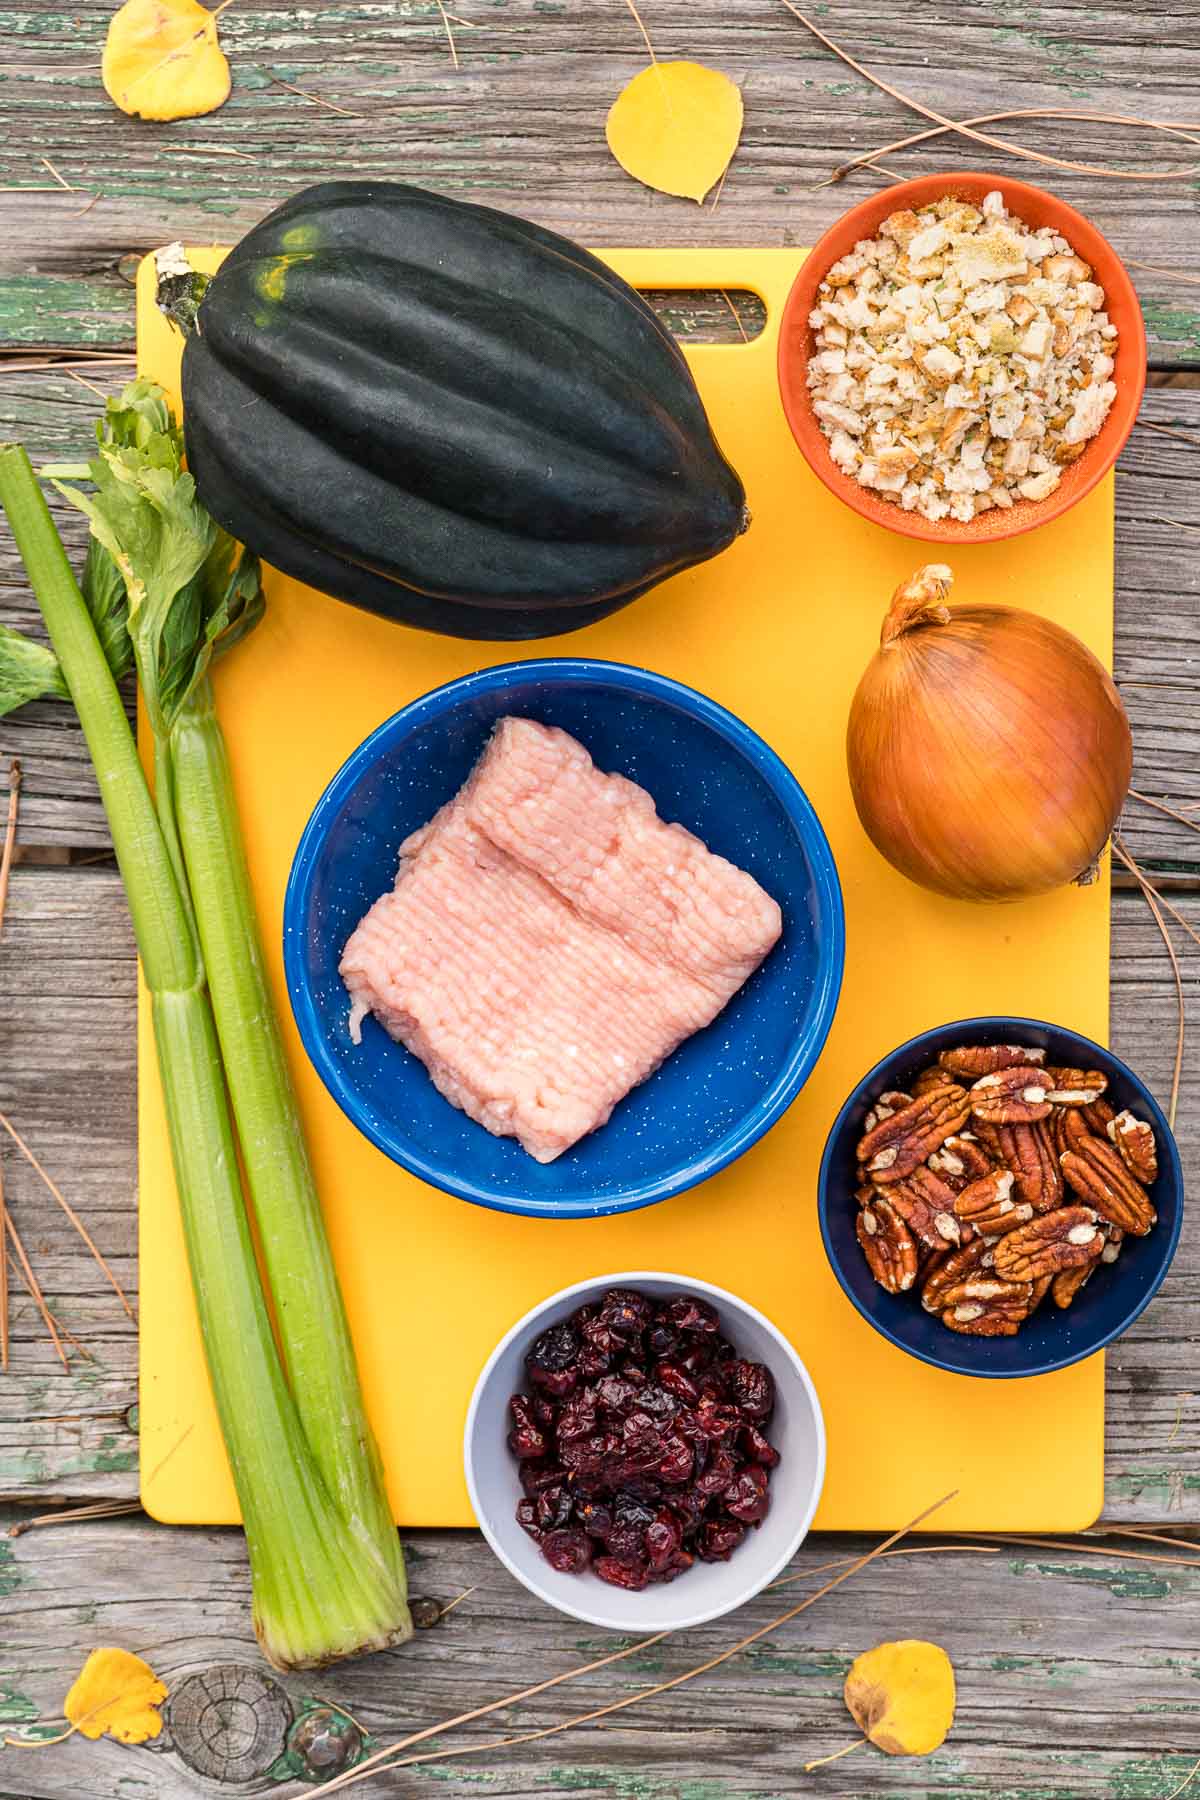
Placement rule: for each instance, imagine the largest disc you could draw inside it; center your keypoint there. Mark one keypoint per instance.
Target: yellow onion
(989, 751)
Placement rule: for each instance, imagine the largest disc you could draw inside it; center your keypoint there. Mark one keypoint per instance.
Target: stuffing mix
(962, 360)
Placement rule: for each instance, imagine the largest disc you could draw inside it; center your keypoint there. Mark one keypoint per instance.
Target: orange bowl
(1033, 206)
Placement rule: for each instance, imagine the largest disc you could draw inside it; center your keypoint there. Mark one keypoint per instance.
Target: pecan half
(988, 1205)
(885, 1106)
(960, 1160)
(1015, 1096)
(1068, 1128)
(1041, 1288)
(1056, 1240)
(1114, 1238)
(888, 1247)
(971, 1259)
(1135, 1144)
(1076, 1087)
(1029, 1153)
(985, 1307)
(900, 1144)
(973, 1060)
(1098, 1114)
(931, 1081)
(1067, 1283)
(1097, 1174)
(926, 1205)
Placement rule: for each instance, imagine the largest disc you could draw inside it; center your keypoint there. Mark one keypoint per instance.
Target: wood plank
(1040, 1640)
(1157, 613)
(67, 1080)
(520, 125)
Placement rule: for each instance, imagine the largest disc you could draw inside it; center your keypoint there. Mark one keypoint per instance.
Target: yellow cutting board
(778, 629)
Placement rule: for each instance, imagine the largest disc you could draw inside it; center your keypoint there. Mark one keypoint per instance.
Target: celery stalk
(324, 1584)
(313, 1328)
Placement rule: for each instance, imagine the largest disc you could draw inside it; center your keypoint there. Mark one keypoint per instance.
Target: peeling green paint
(16, 1708)
(1178, 327)
(44, 309)
(1150, 1777)
(12, 1576)
(635, 1784)
(1123, 1584)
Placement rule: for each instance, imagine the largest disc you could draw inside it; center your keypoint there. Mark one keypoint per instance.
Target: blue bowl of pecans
(1000, 1197)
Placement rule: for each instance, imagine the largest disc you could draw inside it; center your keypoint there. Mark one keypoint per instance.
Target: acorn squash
(449, 416)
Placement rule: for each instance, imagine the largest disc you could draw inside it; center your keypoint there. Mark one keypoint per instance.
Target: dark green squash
(448, 416)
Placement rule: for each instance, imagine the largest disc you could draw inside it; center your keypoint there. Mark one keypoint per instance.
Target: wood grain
(520, 126)
(1041, 1641)
(1157, 621)
(67, 1079)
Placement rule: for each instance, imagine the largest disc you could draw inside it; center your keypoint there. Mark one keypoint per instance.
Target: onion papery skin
(989, 753)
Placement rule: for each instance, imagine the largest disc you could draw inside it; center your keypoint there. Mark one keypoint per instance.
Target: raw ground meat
(549, 940)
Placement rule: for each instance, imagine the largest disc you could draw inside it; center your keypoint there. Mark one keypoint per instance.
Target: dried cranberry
(680, 1566)
(679, 1460)
(686, 1312)
(752, 1388)
(622, 1575)
(527, 1519)
(716, 1420)
(688, 1507)
(568, 1551)
(627, 1543)
(576, 1420)
(632, 1509)
(626, 1312)
(536, 1477)
(555, 1350)
(758, 1447)
(545, 1410)
(663, 1540)
(554, 1508)
(746, 1497)
(525, 1440)
(643, 1488)
(595, 1516)
(717, 1477)
(717, 1539)
(558, 1382)
(615, 1394)
(600, 1347)
(712, 1385)
(657, 1402)
(676, 1382)
(662, 1339)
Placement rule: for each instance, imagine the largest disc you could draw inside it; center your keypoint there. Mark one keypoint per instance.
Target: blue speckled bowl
(1114, 1296)
(723, 1088)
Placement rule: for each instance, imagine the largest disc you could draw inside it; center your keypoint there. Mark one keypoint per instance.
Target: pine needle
(1162, 807)
(1157, 269)
(89, 385)
(96, 1509)
(738, 319)
(74, 1217)
(3, 1275)
(449, 33)
(61, 180)
(457, 1601)
(316, 99)
(1153, 901)
(867, 159)
(1186, 437)
(1151, 1537)
(640, 23)
(1186, 1782)
(981, 137)
(10, 837)
(1075, 1548)
(31, 1282)
(388, 1753)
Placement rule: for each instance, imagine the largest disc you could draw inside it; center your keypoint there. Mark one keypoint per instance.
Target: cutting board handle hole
(709, 315)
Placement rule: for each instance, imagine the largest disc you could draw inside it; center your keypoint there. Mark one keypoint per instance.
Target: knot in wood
(229, 1722)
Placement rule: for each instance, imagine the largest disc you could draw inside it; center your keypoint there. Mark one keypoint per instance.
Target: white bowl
(707, 1590)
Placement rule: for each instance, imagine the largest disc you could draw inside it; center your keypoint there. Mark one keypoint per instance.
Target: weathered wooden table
(1078, 1668)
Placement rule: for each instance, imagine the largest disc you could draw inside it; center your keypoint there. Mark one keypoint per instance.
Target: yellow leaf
(902, 1696)
(676, 126)
(116, 1692)
(162, 60)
